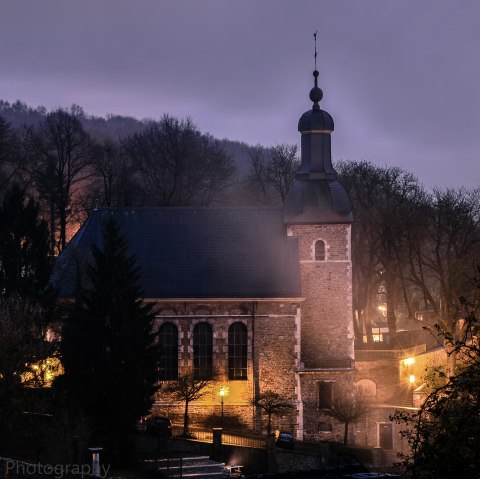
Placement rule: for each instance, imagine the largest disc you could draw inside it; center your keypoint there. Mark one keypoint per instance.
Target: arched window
(237, 351)
(366, 389)
(168, 346)
(320, 250)
(202, 351)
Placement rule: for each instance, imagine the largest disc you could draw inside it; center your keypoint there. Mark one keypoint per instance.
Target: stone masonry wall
(313, 416)
(327, 328)
(327, 336)
(272, 361)
(385, 373)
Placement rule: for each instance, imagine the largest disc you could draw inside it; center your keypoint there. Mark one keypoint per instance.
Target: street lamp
(223, 392)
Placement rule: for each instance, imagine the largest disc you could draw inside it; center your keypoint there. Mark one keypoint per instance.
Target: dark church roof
(317, 202)
(195, 252)
(315, 119)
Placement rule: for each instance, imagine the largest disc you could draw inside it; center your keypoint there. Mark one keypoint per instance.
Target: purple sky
(401, 78)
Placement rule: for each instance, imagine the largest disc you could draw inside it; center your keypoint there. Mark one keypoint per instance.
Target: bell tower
(317, 211)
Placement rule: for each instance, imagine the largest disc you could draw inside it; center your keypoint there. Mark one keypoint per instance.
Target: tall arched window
(366, 389)
(320, 250)
(168, 346)
(202, 351)
(237, 351)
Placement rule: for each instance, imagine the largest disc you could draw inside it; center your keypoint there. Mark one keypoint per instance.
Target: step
(199, 475)
(213, 475)
(193, 467)
(184, 459)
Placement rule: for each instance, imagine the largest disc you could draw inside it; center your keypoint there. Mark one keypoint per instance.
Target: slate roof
(317, 202)
(315, 119)
(195, 252)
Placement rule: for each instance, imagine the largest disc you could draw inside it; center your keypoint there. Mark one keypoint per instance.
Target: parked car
(158, 425)
(285, 440)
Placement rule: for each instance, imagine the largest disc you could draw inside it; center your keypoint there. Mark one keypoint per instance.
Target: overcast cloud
(400, 77)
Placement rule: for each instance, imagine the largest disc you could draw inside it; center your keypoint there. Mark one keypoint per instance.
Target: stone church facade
(258, 299)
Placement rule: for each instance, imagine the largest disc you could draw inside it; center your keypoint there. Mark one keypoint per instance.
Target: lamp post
(95, 460)
(222, 395)
(223, 392)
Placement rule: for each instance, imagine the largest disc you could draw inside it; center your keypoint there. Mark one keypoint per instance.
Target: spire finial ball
(316, 94)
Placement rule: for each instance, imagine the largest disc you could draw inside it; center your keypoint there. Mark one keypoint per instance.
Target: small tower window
(319, 250)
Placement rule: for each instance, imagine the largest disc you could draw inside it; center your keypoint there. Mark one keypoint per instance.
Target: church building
(258, 299)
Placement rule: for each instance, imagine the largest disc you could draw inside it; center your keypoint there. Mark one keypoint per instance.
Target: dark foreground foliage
(445, 433)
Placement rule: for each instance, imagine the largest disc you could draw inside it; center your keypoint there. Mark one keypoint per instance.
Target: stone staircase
(194, 467)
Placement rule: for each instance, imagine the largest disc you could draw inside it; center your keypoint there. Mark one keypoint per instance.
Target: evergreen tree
(25, 356)
(25, 264)
(107, 346)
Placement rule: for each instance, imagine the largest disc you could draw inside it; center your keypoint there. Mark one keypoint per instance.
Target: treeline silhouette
(414, 250)
(72, 162)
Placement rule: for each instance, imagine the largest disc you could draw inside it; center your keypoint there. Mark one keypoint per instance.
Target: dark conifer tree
(25, 263)
(107, 347)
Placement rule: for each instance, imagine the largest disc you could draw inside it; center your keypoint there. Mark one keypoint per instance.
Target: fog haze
(400, 78)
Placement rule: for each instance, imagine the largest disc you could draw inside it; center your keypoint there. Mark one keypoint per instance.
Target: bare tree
(348, 408)
(177, 165)
(282, 168)
(258, 178)
(272, 404)
(443, 258)
(5, 150)
(188, 388)
(116, 185)
(383, 201)
(64, 153)
(16, 146)
(272, 171)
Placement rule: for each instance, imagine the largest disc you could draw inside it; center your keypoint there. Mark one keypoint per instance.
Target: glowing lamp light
(409, 361)
(223, 391)
(411, 378)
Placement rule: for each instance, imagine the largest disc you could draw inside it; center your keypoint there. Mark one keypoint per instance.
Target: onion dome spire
(316, 196)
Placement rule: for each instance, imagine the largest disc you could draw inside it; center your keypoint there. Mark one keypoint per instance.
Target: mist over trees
(417, 249)
(415, 253)
(413, 249)
(177, 165)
